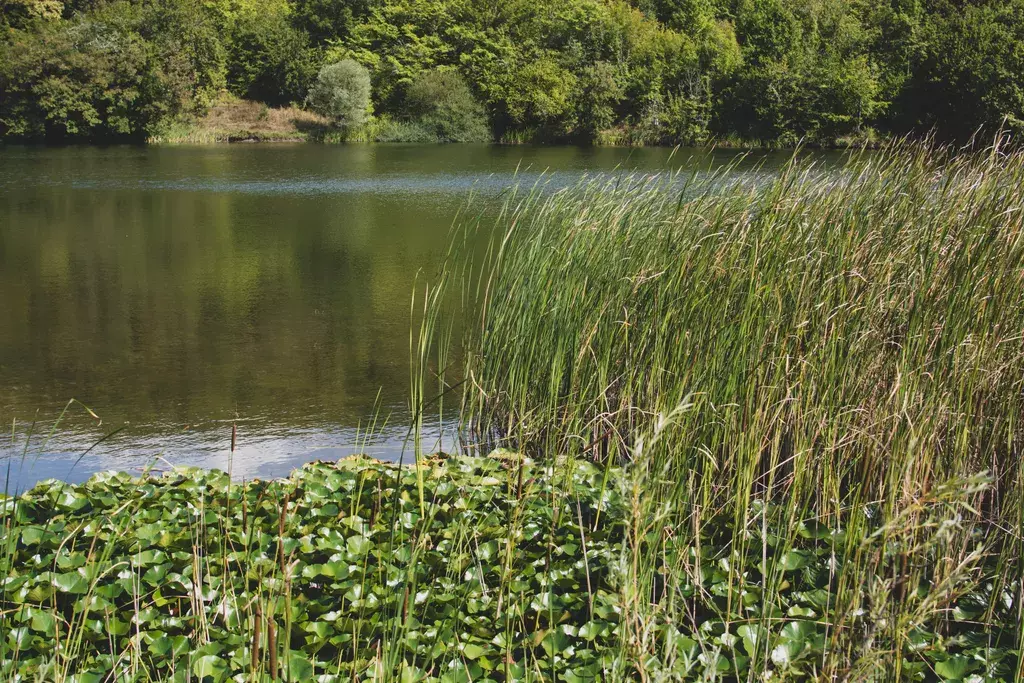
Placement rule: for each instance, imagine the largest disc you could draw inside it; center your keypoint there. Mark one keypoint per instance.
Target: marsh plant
(716, 427)
(829, 354)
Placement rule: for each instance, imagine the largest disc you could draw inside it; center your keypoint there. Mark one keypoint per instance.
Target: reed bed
(775, 355)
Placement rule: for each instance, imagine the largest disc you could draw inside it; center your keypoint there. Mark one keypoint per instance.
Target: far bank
(235, 120)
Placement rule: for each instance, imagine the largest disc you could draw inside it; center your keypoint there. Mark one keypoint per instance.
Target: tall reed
(840, 347)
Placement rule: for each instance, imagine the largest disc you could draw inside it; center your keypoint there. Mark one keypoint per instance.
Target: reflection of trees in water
(177, 305)
(184, 305)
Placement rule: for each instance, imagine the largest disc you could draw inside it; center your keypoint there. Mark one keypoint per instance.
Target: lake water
(177, 291)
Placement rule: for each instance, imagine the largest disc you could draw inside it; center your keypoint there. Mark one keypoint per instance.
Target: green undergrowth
(514, 570)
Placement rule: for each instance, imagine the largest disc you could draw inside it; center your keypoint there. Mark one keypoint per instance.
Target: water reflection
(176, 291)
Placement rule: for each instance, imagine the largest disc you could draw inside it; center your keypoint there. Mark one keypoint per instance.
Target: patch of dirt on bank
(231, 119)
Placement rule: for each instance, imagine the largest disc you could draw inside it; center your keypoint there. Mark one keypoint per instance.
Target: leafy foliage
(441, 103)
(810, 354)
(647, 71)
(335, 561)
(270, 61)
(118, 72)
(342, 93)
(326, 20)
(968, 76)
(511, 570)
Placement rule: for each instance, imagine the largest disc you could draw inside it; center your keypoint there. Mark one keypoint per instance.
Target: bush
(970, 74)
(342, 94)
(403, 131)
(685, 120)
(326, 20)
(442, 104)
(599, 92)
(187, 36)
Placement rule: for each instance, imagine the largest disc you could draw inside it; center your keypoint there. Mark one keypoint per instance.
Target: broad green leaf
(71, 582)
(31, 535)
(753, 635)
(473, 651)
(411, 674)
(300, 669)
(43, 622)
(359, 545)
(796, 559)
(786, 651)
(210, 666)
(955, 668)
(555, 642)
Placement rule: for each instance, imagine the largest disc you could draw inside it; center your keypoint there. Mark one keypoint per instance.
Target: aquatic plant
(337, 570)
(842, 345)
(515, 570)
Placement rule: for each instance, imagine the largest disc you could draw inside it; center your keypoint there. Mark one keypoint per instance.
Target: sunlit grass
(841, 346)
(755, 427)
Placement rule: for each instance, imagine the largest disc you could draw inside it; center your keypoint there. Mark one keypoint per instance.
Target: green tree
(122, 71)
(400, 39)
(342, 93)
(327, 20)
(649, 71)
(270, 60)
(442, 103)
(73, 80)
(186, 37)
(768, 30)
(690, 16)
(20, 14)
(969, 72)
(599, 92)
(806, 73)
(537, 94)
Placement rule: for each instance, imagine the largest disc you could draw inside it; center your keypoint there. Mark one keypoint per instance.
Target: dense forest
(589, 71)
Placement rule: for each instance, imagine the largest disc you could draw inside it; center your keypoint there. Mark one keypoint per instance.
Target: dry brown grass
(231, 120)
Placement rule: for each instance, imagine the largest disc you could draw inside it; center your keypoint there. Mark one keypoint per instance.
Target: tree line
(587, 71)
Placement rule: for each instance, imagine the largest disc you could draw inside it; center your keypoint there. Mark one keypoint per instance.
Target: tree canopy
(643, 71)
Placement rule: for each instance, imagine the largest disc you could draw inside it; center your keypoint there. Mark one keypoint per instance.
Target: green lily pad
(71, 582)
(955, 668)
(473, 651)
(211, 667)
(299, 667)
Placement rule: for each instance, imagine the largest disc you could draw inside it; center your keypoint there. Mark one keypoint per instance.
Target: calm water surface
(176, 291)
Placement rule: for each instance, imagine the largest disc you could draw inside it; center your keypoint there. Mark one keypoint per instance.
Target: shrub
(970, 74)
(599, 92)
(685, 120)
(342, 93)
(389, 130)
(442, 104)
(326, 20)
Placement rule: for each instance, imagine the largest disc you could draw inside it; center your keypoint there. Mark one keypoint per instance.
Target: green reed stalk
(852, 342)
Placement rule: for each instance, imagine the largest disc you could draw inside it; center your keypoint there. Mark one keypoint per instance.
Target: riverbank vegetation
(342, 572)
(826, 353)
(589, 71)
(714, 427)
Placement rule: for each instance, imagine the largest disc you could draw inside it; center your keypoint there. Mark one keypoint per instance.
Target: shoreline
(236, 121)
(244, 138)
